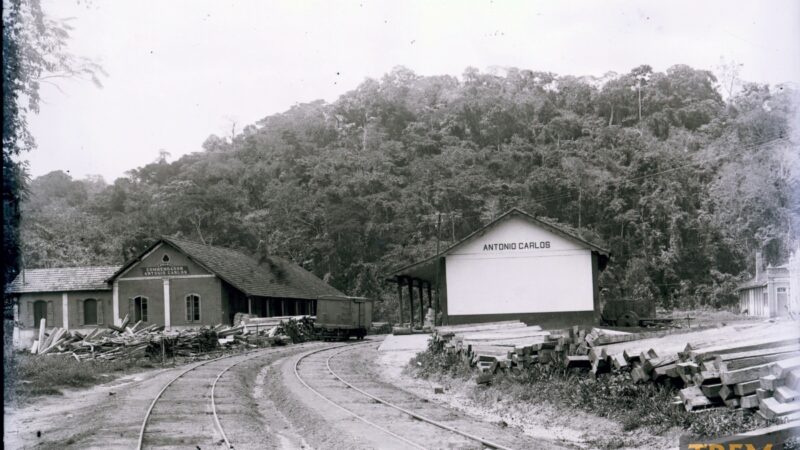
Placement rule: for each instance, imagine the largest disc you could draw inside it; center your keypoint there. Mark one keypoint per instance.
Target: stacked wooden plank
(753, 366)
(133, 340)
(759, 375)
(509, 345)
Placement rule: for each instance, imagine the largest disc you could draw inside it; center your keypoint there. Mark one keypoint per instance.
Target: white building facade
(516, 267)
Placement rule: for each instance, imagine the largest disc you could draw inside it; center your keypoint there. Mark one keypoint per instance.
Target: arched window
(39, 312)
(192, 308)
(90, 311)
(139, 308)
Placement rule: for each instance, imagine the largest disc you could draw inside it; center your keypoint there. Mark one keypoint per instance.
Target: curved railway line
(180, 391)
(185, 412)
(315, 360)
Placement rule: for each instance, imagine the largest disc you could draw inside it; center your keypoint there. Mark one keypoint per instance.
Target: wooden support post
(421, 304)
(430, 298)
(410, 301)
(400, 297)
(436, 307)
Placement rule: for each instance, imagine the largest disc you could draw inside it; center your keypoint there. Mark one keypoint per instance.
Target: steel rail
(166, 386)
(214, 403)
(363, 419)
(483, 441)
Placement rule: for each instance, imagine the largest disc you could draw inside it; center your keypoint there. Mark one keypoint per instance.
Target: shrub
(609, 395)
(45, 375)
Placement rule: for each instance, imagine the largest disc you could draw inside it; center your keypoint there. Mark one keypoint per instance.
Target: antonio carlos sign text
(516, 246)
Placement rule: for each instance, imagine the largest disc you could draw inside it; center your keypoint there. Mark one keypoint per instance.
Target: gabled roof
(62, 279)
(762, 278)
(271, 277)
(513, 212)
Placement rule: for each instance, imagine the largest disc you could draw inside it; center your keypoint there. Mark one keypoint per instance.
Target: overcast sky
(179, 71)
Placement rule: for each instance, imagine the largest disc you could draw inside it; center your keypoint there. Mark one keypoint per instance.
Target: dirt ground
(269, 408)
(73, 419)
(568, 427)
(109, 416)
(706, 316)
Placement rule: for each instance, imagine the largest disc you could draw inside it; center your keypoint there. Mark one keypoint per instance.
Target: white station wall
(518, 267)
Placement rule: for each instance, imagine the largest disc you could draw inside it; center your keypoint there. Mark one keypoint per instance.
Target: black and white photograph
(377, 224)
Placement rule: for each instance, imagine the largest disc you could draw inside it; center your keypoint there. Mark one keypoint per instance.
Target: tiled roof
(271, 277)
(603, 254)
(62, 279)
(763, 277)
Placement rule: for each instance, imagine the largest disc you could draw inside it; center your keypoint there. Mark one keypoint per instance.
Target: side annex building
(174, 282)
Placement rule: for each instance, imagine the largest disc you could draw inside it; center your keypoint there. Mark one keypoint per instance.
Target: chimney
(759, 264)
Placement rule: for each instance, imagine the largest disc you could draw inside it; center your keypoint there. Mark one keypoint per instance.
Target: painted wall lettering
(516, 246)
(162, 271)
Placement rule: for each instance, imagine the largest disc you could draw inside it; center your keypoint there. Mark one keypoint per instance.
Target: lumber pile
(754, 367)
(138, 340)
(296, 328)
(508, 345)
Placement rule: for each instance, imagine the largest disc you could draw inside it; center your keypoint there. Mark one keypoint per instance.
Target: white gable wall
(518, 267)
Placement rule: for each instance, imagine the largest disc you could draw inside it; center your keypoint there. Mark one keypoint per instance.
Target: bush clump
(32, 376)
(613, 395)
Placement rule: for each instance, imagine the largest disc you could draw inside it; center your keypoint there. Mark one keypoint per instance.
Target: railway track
(426, 421)
(185, 412)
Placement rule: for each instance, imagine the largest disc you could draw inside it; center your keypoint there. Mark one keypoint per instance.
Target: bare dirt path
(110, 415)
(261, 404)
(397, 429)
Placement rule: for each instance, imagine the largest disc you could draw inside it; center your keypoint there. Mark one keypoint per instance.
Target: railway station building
(514, 268)
(174, 282)
(773, 290)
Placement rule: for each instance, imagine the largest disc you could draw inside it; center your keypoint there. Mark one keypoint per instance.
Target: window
(165, 258)
(192, 308)
(90, 311)
(139, 309)
(39, 312)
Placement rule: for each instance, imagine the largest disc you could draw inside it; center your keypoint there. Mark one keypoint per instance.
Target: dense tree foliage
(681, 185)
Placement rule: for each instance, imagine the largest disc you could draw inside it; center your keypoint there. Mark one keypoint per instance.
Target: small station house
(174, 282)
(770, 293)
(515, 267)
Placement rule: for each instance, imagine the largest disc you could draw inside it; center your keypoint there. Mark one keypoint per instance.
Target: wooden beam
(421, 304)
(430, 297)
(410, 301)
(400, 297)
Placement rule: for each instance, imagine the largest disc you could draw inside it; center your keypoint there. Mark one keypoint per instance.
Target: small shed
(515, 267)
(768, 293)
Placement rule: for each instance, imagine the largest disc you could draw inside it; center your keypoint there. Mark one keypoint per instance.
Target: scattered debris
(152, 340)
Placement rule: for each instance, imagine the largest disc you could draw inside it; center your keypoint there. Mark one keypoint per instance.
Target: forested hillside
(681, 184)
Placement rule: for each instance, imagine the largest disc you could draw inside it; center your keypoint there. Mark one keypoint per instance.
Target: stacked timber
(512, 345)
(735, 367)
(138, 340)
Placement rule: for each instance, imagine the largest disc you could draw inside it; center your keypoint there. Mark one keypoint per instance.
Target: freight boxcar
(341, 317)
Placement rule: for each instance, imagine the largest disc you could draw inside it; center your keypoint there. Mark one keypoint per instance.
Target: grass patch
(31, 376)
(613, 396)
(704, 316)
